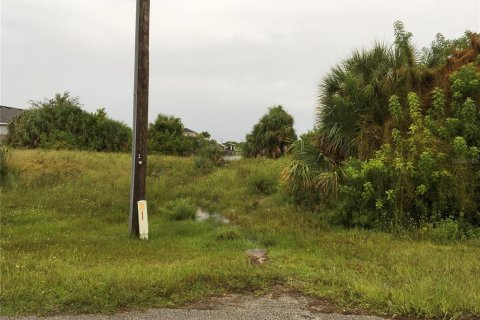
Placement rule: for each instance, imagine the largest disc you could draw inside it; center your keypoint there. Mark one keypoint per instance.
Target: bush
(166, 137)
(419, 178)
(203, 164)
(59, 140)
(209, 156)
(179, 210)
(60, 123)
(445, 231)
(448, 230)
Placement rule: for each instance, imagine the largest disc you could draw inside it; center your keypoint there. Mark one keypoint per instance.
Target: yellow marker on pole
(143, 219)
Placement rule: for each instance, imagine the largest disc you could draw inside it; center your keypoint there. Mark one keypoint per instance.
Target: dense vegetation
(397, 139)
(67, 249)
(60, 123)
(271, 136)
(166, 136)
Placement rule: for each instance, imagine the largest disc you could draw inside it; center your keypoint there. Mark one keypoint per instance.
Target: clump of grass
(180, 210)
(203, 163)
(228, 233)
(4, 164)
(448, 231)
(243, 171)
(153, 167)
(263, 182)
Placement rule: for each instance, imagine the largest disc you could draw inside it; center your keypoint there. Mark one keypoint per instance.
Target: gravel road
(235, 307)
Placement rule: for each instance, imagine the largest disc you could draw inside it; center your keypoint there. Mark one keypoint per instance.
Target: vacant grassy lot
(65, 246)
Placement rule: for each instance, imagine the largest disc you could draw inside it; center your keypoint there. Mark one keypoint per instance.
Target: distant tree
(165, 136)
(206, 135)
(441, 48)
(241, 146)
(60, 123)
(110, 135)
(272, 135)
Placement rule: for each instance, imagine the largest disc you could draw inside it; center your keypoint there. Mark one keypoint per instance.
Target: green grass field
(65, 246)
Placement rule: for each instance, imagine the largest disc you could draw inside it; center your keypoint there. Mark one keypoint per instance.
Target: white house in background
(7, 114)
(189, 133)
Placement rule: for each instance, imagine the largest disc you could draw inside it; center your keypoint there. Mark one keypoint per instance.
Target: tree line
(61, 123)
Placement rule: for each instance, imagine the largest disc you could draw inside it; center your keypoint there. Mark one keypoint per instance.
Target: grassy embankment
(65, 246)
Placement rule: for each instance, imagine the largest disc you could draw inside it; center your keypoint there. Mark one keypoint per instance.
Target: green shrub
(448, 230)
(180, 209)
(445, 231)
(202, 163)
(166, 137)
(419, 178)
(314, 170)
(209, 156)
(59, 140)
(60, 123)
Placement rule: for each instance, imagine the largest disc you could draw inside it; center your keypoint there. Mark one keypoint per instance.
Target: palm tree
(353, 116)
(354, 95)
(315, 163)
(271, 135)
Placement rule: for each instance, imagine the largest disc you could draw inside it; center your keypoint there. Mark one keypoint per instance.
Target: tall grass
(65, 246)
(4, 165)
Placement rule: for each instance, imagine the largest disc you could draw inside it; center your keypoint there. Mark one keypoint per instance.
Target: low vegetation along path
(242, 307)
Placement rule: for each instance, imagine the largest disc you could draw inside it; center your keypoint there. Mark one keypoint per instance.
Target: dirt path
(241, 307)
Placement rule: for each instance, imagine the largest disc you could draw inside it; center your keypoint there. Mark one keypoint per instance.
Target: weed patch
(228, 233)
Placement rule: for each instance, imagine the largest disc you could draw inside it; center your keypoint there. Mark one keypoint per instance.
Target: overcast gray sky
(217, 64)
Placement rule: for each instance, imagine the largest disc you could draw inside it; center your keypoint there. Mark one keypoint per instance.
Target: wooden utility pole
(140, 113)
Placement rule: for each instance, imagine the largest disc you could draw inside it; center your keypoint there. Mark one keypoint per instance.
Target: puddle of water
(202, 215)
